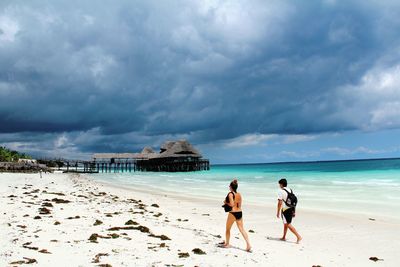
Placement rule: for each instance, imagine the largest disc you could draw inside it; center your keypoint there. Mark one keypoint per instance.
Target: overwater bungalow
(174, 156)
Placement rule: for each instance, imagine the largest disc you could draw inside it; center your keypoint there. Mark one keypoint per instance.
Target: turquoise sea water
(370, 187)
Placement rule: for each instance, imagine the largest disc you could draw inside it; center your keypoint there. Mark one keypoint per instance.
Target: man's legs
(294, 231)
(285, 227)
(287, 223)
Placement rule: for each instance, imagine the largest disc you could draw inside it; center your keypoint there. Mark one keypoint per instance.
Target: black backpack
(226, 207)
(291, 200)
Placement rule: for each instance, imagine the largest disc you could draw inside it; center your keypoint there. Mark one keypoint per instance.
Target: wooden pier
(117, 166)
(97, 166)
(79, 166)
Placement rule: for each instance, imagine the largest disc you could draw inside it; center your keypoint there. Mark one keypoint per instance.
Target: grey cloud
(117, 71)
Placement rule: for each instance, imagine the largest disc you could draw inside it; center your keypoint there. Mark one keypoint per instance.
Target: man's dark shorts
(287, 216)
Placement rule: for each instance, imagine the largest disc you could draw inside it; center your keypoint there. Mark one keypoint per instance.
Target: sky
(244, 81)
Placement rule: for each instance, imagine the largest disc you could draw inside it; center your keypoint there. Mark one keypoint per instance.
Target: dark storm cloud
(123, 73)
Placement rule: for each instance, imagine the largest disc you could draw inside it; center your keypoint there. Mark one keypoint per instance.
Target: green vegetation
(11, 155)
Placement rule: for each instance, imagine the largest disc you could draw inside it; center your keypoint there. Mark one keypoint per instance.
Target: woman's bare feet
(223, 245)
(299, 239)
(248, 249)
(282, 239)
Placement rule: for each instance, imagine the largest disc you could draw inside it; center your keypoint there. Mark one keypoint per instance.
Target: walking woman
(233, 205)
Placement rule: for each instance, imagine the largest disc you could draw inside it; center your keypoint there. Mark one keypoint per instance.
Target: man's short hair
(283, 182)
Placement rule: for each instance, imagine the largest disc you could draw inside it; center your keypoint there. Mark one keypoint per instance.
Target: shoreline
(329, 239)
(213, 200)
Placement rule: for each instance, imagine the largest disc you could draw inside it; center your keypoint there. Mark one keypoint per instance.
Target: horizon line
(306, 161)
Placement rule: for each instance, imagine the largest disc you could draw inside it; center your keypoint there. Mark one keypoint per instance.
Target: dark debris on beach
(96, 258)
(183, 255)
(97, 222)
(47, 207)
(24, 261)
(198, 251)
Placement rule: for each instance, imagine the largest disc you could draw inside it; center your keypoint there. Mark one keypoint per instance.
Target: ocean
(367, 187)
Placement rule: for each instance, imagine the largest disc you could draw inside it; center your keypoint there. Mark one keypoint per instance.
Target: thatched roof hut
(102, 156)
(147, 150)
(146, 153)
(176, 149)
(173, 156)
(170, 149)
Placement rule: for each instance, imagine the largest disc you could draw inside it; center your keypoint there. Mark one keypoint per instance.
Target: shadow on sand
(234, 247)
(278, 239)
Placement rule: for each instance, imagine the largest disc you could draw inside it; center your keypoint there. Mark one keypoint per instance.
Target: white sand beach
(48, 222)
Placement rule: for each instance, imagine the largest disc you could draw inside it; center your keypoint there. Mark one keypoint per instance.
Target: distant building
(29, 161)
(174, 156)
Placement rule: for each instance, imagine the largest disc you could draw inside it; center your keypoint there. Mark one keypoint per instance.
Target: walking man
(286, 209)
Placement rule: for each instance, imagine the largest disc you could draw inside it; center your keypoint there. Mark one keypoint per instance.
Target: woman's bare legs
(239, 224)
(229, 221)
